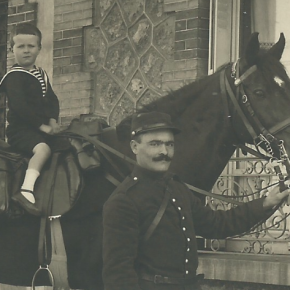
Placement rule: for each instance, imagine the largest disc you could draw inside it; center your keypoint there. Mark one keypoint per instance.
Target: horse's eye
(259, 93)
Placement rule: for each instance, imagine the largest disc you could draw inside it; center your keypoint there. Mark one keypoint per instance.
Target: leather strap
(224, 97)
(96, 142)
(213, 195)
(158, 279)
(239, 80)
(46, 210)
(128, 159)
(58, 265)
(158, 216)
(280, 126)
(112, 179)
(240, 111)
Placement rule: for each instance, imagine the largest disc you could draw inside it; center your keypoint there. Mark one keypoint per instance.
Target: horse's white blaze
(278, 81)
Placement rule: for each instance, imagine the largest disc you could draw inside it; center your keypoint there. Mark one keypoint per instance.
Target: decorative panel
(121, 60)
(132, 10)
(146, 98)
(137, 85)
(164, 37)
(95, 48)
(126, 49)
(108, 90)
(152, 64)
(140, 34)
(154, 9)
(245, 179)
(114, 26)
(123, 108)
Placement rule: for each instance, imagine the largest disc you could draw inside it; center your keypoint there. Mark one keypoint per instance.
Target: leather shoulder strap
(158, 216)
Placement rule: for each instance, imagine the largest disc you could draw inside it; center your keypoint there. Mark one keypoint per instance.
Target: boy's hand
(46, 129)
(275, 197)
(54, 125)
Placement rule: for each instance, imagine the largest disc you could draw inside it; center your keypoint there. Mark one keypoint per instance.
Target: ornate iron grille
(245, 179)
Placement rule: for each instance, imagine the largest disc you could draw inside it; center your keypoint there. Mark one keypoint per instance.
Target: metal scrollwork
(245, 179)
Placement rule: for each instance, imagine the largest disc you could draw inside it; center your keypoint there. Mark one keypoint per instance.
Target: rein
(98, 144)
(259, 134)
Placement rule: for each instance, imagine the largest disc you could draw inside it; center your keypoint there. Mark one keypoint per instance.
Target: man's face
(155, 150)
(26, 49)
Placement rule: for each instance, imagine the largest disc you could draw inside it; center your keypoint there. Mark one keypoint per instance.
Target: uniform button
(184, 229)
(186, 260)
(183, 217)
(135, 178)
(188, 239)
(186, 272)
(179, 208)
(174, 200)
(188, 249)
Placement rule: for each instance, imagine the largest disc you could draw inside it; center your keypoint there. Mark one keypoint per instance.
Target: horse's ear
(123, 129)
(277, 49)
(252, 49)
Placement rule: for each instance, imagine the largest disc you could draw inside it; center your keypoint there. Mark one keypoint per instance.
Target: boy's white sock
(28, 184)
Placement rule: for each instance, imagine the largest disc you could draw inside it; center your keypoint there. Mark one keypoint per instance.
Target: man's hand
(46, 129)
(275, 197)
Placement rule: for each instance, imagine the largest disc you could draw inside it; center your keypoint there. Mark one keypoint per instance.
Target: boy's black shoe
(28, 206)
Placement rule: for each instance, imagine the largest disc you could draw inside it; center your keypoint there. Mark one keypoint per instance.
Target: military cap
(144, 122)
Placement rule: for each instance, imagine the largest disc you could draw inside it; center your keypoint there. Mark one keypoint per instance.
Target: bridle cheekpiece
(259, 134)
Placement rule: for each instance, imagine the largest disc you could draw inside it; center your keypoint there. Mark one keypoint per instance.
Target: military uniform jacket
(171, 251)
(27, 105)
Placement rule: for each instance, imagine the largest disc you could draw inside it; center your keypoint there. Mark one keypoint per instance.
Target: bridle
(259, 134)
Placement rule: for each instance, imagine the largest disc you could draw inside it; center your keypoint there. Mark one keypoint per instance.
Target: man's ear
(134, 145)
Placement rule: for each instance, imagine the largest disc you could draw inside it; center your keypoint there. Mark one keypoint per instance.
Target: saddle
(87, 155)
(61, 171)
(60, 181)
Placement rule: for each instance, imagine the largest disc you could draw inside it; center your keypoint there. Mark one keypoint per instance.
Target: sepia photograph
(144, 145)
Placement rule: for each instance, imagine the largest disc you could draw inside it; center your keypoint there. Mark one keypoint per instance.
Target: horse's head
(263, 93)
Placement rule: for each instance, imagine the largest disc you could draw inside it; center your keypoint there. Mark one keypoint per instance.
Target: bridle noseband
(259, 134)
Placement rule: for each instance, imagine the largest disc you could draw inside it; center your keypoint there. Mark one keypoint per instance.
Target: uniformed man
(152, 219)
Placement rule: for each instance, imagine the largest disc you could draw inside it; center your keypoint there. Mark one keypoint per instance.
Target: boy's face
(26, 49)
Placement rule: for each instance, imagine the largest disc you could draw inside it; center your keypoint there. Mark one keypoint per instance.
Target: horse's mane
(174, 103)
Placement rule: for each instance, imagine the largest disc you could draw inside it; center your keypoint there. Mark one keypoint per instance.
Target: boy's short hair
(25, 28)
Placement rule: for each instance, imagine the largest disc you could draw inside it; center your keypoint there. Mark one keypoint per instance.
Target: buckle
(258, 140)
(159, 279)
(270, 138)
(53, 217)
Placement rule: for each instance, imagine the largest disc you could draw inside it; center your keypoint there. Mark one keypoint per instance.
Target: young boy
(33, 109)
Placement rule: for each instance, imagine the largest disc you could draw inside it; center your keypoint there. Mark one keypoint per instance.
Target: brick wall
(72, 85)
(191, 42)
(19, 11)
(75, 87)
(179, 5)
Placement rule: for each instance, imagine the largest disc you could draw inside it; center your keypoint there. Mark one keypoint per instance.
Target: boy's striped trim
(17, 69)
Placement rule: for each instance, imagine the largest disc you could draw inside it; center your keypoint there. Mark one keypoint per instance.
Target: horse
(212, 127)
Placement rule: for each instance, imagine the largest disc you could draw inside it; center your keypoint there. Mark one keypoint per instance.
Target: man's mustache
(161, 158)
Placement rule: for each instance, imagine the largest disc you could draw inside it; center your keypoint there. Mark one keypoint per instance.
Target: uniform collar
(140, 172)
